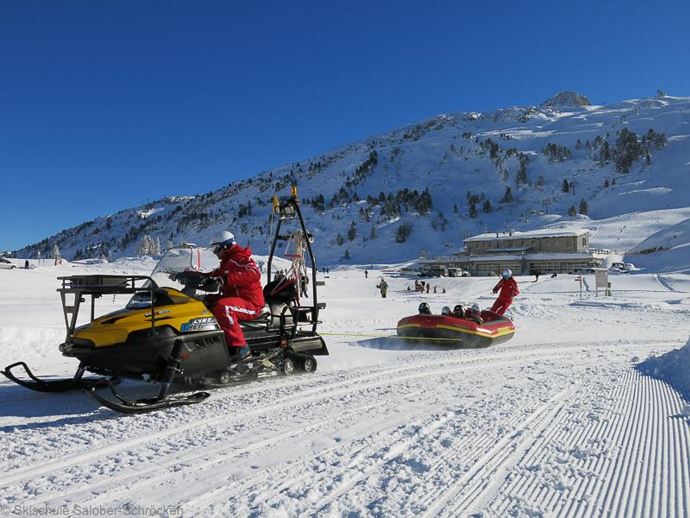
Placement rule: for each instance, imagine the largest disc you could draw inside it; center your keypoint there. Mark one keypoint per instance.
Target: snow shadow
(394, 343)
(672, 368)
(70, 408)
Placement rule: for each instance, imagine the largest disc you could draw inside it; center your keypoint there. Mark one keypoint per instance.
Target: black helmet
(445, 311)
(424, 309)
(457, 309)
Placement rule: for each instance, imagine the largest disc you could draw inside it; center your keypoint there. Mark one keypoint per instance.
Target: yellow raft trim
(487, 334)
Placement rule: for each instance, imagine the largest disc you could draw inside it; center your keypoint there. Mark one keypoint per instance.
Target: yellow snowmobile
(167, 335)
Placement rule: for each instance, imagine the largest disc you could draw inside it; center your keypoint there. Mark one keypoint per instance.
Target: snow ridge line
(433, 471)
(220, 457)
(666, 283)
(223, 419)
(491, 461)
(562, 438)
(80, 458)
(628, 458)
(353, 387)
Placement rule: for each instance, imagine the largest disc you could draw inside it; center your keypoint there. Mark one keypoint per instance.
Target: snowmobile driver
(509, 289)
(241, 296)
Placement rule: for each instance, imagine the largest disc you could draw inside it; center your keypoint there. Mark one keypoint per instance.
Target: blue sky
(107, 105)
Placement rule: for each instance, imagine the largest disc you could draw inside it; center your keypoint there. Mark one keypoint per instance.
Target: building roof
(542, 233)
(564, 256)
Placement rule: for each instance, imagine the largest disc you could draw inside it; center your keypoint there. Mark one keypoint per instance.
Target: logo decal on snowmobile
(159, 312)
(200, 324)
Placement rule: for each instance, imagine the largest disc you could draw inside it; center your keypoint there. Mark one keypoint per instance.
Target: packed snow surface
(559, 421)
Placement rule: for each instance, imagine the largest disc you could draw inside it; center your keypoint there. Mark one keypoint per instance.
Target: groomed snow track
(547, 429)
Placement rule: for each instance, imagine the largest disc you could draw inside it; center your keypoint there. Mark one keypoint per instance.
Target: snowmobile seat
(281, 290)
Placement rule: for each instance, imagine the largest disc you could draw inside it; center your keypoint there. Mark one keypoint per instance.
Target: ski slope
(557, 422)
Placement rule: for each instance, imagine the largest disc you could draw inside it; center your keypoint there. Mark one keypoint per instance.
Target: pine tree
(339, 239)
(572, 211)
(566, 186)
(347, 255)
(403, 232)
(508, 196)
(352, 232)
(473, 211)
(487, 206)
(157, 249)
(144, 246)
(584, 209)
(373, 234)
(56, 251)
(521, 177)
(606, 182)
(628, 149)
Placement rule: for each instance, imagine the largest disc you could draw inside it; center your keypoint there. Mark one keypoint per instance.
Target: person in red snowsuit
(509, 289)
(241, 296)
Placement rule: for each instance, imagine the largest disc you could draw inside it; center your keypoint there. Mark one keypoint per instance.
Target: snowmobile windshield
(182, 259)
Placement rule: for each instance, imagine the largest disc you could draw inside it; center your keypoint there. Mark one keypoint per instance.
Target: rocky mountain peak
(566, 98)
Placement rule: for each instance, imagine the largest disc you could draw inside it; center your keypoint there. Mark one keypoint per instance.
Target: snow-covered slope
(559, 421)
(428, 185)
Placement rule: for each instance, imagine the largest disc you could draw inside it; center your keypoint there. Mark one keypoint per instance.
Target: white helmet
(222, 239)
(475, 308)
(507, 274)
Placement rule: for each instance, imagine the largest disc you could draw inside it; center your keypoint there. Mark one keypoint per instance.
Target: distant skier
(427, 287)
(509, 289)
(383, 287)
(366, 274)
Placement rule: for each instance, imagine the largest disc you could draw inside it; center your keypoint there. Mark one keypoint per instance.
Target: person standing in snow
(366, 274)
(509, 289)
(383, 287)
(241, 296)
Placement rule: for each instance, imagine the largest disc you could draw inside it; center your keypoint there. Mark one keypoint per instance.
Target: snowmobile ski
(140, 406)
(61, 385)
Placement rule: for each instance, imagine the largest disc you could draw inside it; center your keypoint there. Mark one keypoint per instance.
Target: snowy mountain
(621, 170)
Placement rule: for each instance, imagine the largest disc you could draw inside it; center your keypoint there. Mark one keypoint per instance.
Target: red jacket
(241, 276)
(509, 289)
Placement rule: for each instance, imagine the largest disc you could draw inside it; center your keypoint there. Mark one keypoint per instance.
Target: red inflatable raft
(450, 330)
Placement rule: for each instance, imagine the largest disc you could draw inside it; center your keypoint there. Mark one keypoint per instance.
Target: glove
(494, 291)
(173, 277)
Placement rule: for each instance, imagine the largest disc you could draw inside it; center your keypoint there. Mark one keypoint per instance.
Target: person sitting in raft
(458, 311)
(446, 311)
(424, 309)
(474, 314)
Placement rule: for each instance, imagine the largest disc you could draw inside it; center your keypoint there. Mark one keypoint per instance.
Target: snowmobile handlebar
(196, 280)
